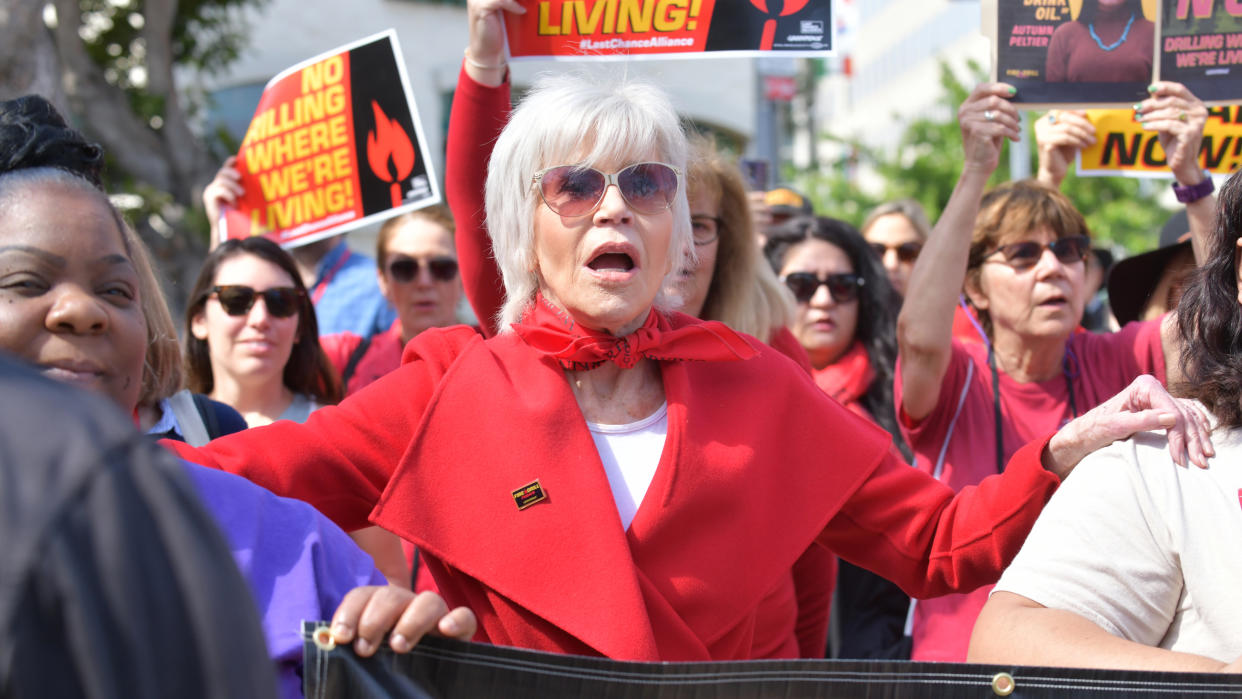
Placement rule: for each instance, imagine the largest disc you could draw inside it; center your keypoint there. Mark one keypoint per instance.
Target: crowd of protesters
(730, 428)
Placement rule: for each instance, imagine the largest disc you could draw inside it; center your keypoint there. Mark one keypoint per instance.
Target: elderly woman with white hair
(596, 479)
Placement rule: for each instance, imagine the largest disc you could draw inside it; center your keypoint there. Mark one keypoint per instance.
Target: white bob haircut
(573, 119)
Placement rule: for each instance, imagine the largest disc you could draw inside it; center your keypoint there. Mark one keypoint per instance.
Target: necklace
(1115, 44)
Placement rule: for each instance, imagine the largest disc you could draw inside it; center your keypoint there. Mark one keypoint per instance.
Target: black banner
(447, 669)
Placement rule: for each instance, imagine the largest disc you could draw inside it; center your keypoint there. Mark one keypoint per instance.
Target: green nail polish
(1139, 117)
(1137, 106)
(1151, 89)
(1012, 91)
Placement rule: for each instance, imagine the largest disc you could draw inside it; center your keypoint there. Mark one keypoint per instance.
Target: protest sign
(616, 29)
(334, 144)
(1122, 147)
(1073, 51)
(1201, 47)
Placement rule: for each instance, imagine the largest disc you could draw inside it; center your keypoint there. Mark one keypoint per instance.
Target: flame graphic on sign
(789, 7)
(390, 153)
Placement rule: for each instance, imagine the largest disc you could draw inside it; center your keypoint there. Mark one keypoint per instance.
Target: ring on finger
(1183, 116)
(989, 114)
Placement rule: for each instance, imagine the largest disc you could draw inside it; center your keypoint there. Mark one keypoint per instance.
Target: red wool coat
(758, 464)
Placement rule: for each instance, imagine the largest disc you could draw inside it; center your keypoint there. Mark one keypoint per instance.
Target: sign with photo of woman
(1076, 51)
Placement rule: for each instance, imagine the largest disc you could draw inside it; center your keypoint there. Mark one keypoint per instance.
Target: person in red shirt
(1018, 253)
(418, 274)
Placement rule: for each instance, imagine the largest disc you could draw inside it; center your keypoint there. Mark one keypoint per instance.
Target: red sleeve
(338, 347)
(341, 458)
(475, 121)
(815, 579)
(910, 528)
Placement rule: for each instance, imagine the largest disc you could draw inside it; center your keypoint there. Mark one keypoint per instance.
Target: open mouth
(611, 262)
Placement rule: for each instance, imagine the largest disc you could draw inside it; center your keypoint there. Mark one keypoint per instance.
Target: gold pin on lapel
(529, 494)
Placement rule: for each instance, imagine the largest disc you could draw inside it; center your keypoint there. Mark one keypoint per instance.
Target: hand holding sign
(485, 52)
(223, 190)
(986, 119)
(1178, 117)
(1059, 135)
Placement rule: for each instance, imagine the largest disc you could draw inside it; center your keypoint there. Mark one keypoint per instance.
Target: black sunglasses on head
(1026, 253)
(238, 299)
(843, 287)
(405, 269)
(906, 252)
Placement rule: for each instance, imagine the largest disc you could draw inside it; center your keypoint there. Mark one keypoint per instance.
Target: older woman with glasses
(594, 479)
(418, 274)
(1018, 252)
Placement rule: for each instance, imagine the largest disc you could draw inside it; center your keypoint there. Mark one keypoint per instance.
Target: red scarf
(847, 378)
(552, 332)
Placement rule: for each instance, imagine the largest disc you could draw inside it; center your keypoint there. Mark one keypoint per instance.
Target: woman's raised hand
(223, 190)
(986, 119)
(1059, 135)
(369, 612)
(1178, 117)
(485, 51)
(1143, 406)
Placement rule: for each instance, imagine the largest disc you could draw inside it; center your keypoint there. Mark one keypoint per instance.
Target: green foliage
(207, 35)
(926, 162)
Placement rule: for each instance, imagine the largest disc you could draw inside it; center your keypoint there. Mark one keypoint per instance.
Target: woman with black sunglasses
(251, 336)
(846, 321)
(418, 274)
(1018, 254)
(252, 342)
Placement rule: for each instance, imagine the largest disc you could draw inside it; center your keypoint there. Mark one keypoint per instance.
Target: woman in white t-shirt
(1134, 563)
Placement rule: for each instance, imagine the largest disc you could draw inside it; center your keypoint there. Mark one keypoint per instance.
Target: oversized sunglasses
(237, 299)
(405, 269)
(843, 287)
(906, 252)
(576, 190)
(1026, 253)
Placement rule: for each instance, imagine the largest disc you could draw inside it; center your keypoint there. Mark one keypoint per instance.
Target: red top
(434, 450)
(382, 355)
(1105, 363)
(1074, 56)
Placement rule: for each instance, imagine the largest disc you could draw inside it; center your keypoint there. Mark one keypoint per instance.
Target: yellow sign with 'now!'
(1124, 148)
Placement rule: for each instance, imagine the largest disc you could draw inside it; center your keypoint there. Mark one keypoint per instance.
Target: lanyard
(996, 407)
(321, 285)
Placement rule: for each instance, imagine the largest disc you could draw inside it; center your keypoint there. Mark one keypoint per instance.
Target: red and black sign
(334, 144)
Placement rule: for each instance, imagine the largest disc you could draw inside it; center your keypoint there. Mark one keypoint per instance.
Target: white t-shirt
(1149, 551)
(630, 454)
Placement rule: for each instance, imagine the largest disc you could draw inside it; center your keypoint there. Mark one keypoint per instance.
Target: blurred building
(888, 70)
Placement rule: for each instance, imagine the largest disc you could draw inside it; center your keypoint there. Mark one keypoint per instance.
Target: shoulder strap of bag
(356, 356)
(189, 419)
